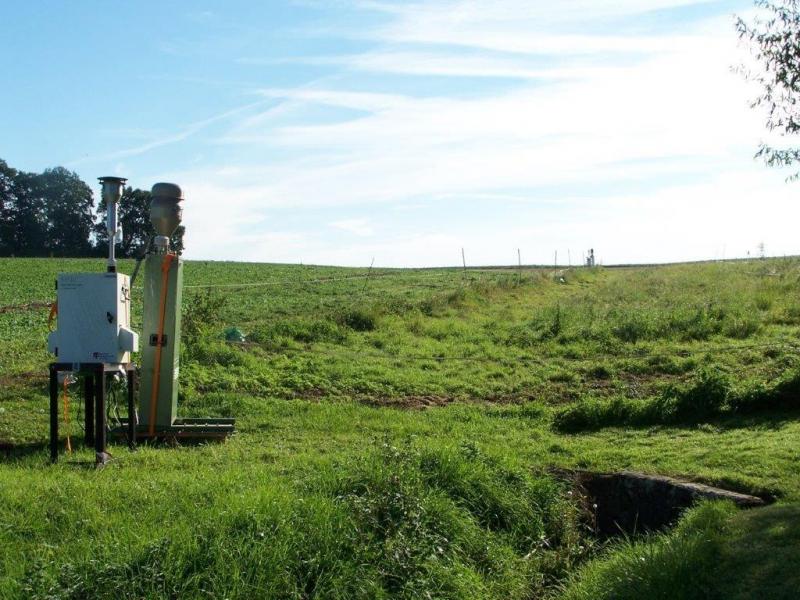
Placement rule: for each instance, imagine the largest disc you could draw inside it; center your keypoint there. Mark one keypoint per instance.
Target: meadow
(398, 432)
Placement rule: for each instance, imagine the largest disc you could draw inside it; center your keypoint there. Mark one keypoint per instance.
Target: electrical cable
(139, 260)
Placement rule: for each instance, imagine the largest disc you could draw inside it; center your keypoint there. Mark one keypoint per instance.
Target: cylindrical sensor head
(165, 208)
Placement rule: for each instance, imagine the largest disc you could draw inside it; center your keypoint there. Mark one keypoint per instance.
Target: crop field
(399, 431)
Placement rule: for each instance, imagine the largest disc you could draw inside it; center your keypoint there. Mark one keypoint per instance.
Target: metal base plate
(181, 429)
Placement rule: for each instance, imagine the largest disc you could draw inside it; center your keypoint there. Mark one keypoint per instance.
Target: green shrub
(216, 352)
(782, 394)
(593, 414)
(599, 371)
(358, 319)
(742, 327)
(200, 313)
(703, 398)
(630, 327)
(301, 330)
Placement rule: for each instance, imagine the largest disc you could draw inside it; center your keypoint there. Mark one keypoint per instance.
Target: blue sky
(338, 132)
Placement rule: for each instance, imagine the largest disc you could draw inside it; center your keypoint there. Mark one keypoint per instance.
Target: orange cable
(52, 315)
(159, 341)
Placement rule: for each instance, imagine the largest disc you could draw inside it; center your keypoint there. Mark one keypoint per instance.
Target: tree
(68, 210)
(8, 199)
(44, 213)
(27, 217)
(133, 214)
(52, 213)
(774, 41)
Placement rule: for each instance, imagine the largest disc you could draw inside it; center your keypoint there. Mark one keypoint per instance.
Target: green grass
(710, 395)
(680, 564)
(395, 433)
(713, 554)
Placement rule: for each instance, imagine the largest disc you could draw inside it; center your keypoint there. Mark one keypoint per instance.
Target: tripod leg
(100, 411)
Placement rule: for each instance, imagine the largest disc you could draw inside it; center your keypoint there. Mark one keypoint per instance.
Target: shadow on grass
(12, 452)
(579, 420)
(761, 560)
(764, 421)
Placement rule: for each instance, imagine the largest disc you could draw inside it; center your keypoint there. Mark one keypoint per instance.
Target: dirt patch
(25, 306)
(21, 378)
(409, 402)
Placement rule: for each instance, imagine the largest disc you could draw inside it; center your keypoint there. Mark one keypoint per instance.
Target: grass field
(397, 430)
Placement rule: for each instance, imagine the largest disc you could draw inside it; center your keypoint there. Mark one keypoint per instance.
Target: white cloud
(359, 227)
(523, 25)
(661, 111)
(168, 139)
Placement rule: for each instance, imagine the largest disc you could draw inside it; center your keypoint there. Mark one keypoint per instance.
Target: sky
(352, 131)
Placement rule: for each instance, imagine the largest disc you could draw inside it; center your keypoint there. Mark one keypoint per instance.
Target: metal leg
(53, 414)
(88, 412)
(131, 377)
(100, 410)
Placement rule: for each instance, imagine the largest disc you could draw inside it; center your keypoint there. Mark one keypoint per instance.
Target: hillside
(397, 431)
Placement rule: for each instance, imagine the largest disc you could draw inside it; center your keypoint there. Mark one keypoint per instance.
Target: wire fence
(528, 360)
(321, 280)
(455, 277)
(448, 278)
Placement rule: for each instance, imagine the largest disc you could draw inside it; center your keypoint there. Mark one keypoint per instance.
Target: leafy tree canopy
(774, 40)
(53, 214)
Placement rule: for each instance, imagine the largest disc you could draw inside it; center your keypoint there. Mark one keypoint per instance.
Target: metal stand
(182, 429)
(94, 395)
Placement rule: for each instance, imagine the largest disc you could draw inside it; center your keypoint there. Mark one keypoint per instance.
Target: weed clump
(201, 316)
(301, 330)
(703, 398)
(680, 564)
(358, 319)
(425, 508)
(399, 522)
(782, 394)
(710, 395)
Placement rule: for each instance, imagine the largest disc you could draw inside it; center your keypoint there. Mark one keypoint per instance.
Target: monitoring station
(94, 340)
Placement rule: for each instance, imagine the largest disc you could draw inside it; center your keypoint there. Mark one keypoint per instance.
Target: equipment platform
(182, 429)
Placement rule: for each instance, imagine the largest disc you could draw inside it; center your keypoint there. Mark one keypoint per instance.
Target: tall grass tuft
(400, 522)
(679, 564)
(709, 395)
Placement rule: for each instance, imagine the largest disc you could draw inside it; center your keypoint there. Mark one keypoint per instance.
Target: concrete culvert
(629, 502)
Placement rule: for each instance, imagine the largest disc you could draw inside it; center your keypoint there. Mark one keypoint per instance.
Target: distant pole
(569, 257)
(464, 262)
(555, 264)
(369, 272)
(519, 266)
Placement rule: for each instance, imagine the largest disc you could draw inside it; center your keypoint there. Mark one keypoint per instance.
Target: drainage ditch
(628, 502)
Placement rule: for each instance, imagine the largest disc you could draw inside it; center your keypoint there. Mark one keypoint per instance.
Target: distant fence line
(415, 273)
(528, 360)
